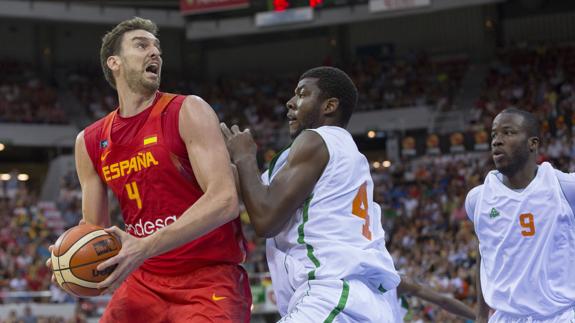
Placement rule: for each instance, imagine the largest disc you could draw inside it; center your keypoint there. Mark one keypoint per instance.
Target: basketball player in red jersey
(165, 159)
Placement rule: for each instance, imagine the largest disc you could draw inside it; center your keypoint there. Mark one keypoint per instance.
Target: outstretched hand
(130, 257)
(240, 144)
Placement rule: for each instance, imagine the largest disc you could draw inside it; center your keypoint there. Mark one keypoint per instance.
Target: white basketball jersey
(527, 245)
(337, 233)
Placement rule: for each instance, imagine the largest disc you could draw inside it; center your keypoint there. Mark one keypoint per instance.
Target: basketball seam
(65, 273)
(89, 263)
(59, 246)
(78, 248)
(87, 242)
(76, 294)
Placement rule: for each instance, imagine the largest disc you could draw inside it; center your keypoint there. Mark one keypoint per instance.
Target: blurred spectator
(27, 316)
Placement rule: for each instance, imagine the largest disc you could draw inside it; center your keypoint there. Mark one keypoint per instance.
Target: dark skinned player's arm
(482, 307)
(449, 304)
(270, 207)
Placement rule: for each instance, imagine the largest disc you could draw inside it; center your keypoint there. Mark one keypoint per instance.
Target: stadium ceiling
(149, 4)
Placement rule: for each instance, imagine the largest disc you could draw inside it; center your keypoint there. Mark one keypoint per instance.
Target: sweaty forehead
(139, 34)
(307, 83)
(508, 120)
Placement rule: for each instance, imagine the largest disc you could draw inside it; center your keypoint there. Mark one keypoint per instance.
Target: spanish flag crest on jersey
(150, 140)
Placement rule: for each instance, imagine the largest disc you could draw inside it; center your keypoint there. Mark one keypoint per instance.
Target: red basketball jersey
(155, 185)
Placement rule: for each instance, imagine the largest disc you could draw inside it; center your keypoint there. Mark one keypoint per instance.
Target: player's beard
(139, 84)
(515, 161)
(307, 121)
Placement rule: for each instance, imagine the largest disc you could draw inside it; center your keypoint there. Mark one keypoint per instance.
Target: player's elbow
(231, 205)
(264, 230)
(266, 226)
(226, 201)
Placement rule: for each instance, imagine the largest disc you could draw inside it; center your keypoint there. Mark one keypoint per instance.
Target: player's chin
(152, 85)
(503, 168)
(293, 133)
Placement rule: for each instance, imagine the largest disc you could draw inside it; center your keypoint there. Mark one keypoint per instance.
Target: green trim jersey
(527, 245)
(336, 234)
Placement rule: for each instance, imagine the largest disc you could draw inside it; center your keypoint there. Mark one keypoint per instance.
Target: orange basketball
(77, 253)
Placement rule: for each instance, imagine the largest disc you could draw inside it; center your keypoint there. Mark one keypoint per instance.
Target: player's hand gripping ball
(77, 253)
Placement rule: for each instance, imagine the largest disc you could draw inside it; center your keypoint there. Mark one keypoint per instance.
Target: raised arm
(270, 207)
(94, 192)
(451, 305)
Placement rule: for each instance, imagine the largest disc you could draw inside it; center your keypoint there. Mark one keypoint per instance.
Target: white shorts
(564, 316)
(338, 301)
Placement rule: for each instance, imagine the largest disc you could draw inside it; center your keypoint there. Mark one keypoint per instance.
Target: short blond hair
(112, 42)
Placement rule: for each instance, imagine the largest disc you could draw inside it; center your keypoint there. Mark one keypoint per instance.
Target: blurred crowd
(415, 79)
(26, 98)
(258, 101)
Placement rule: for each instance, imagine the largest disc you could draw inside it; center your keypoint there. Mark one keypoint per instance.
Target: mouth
(153, 69)
(291, 119)
(498, 156)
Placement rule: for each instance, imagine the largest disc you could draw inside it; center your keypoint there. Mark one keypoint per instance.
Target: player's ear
(533, 144)
(113, 62)
(331, 105)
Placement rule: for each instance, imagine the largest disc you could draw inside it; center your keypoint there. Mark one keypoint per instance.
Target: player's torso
(155, 186)
(147, 178)
(339, 226)
(527, 243)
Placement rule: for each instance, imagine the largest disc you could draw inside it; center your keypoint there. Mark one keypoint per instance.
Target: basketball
(77, 253)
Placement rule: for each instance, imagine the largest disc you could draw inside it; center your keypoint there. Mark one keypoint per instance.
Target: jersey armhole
(91, 139)
(470, 202)
(171, 126)
(327, 147)
(571, 202)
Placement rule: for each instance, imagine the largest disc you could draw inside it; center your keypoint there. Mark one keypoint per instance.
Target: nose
(496, 141)
(290, 104)
(156, 51)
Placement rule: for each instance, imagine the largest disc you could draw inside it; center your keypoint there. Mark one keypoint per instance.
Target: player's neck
(522, 178)
(132, 103)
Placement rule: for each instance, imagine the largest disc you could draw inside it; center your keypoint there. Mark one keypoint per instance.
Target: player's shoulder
(96, 124)
(93, 130)
(308, 141)
(568, 178)
(196, 109)
(471, 200)
(193, 101)
(474, 192)
(308, 146)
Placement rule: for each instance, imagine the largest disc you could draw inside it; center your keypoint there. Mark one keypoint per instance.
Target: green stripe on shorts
(340, 305)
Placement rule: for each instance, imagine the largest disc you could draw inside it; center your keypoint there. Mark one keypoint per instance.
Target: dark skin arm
(270, 207)
(449, 304)
(482, 307)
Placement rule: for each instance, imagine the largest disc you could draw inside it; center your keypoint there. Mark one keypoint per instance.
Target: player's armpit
(270, 207)
(94, 192)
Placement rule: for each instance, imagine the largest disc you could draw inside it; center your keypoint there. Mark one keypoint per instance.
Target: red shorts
(209, 294)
